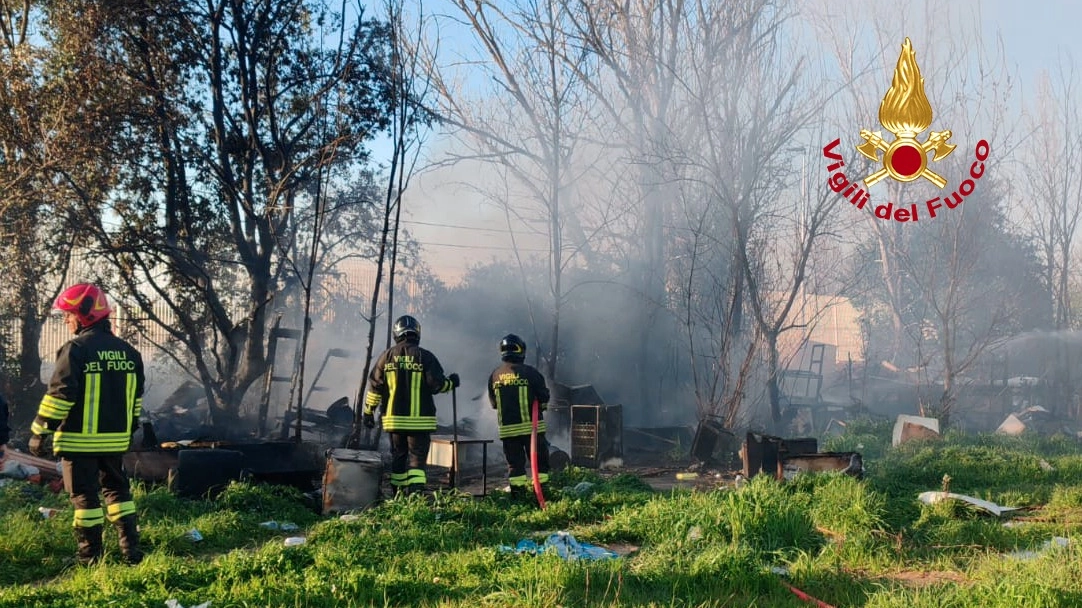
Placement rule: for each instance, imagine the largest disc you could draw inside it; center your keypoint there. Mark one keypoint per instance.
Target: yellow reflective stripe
(54, 407)
(398, 479)
(521, 428)
(135, 405)
(543, 477)
(416, 476)
(447, 386)
(416, 378)
(100, 443)
(409, 423)
(524, 403)
(499, 409)
(518, 480)
(39, 429)
(88, 518)
(392, 390)
(91, 395)
(117, 510)
(371, 398)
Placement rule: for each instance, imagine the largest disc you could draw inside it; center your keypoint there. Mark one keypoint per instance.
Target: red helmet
(86, 301)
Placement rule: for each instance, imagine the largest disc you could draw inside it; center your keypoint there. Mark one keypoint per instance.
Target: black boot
(128, 529)
(89, 544)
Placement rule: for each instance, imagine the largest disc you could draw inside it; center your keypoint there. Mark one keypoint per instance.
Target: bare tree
(1051, 156)
(409, 94)
(529, 128)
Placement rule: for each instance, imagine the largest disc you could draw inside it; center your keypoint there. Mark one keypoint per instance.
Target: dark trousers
(517, 452)
(85, 476)
(409, 457)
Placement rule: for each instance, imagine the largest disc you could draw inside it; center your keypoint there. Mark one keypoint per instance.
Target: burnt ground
(658, 470)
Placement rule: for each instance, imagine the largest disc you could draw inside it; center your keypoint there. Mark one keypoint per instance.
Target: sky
(457, 228)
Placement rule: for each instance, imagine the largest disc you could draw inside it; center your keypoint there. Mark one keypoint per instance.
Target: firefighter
(401, 384)
(512, 389)
(91, 409)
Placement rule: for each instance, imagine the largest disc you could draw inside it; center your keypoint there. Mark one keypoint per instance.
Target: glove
(369, 421)
(37, 446)
(455, 382)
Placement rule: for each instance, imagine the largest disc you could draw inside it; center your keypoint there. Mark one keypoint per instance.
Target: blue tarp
(563, 544)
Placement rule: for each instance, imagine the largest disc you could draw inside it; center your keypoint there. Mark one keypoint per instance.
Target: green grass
(847, 542)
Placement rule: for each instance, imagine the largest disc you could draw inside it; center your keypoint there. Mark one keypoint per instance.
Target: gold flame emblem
(905, 112)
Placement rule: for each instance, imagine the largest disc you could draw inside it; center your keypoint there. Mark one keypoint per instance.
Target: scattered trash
(48, 512)
(195, 535)
(907, 428)
(293, 541)
(740, 481)
(1045, 466)
(284, 526)
(583, 488)
(929, 498)
(686, 476)
(612, 463)
(13, 469)
(349, 517)
(781, 570)
(1057, 542)
(695, 533)
(565, 545)
(176, 604)
(848, 463)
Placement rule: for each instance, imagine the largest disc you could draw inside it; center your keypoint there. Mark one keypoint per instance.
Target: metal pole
(454, 435)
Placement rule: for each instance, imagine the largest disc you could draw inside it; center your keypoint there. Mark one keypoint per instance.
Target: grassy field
(843, 541)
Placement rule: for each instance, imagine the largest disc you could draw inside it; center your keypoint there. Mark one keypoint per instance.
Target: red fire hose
(533, 457)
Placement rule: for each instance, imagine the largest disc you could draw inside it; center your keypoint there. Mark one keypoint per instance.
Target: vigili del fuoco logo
(906, 113)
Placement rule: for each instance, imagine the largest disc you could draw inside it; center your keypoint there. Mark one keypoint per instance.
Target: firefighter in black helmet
(401, 385)
(512, 389)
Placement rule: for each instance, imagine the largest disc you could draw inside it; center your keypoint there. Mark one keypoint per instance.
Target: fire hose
(533, 456)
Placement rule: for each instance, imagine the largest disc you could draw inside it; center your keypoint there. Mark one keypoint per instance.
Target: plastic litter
(293, 541)
(563, 544)
(195, 535)
(349, 517)
(1057, 542)
(48, 512)
(929, 498)
(683, 476)
(284, 526)
(18, 470)
(583, 488)
(176, 604)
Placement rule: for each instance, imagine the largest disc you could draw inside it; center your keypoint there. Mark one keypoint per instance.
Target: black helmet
(405, 327)
(512, 348)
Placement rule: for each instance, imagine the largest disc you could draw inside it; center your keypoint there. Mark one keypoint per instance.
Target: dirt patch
(918, 579)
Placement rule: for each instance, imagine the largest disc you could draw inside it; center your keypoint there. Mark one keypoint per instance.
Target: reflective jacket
(401, 385)
(512, 389)
(95, 396)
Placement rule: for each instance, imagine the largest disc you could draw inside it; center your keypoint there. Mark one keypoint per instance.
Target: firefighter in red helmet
(401, 385)
(91, 409)
(512, 389)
